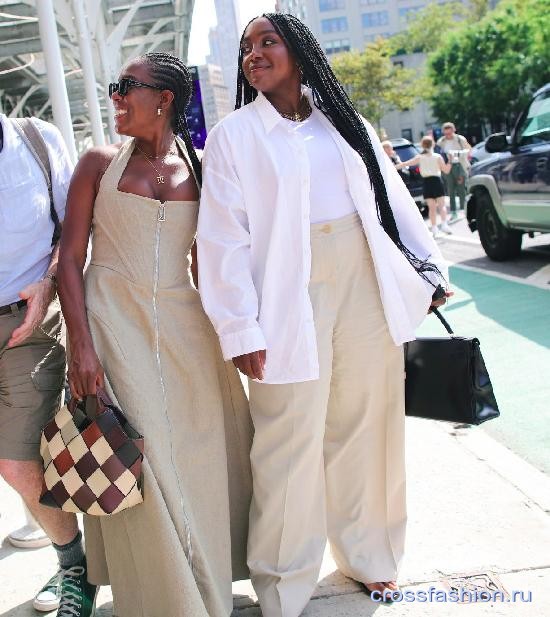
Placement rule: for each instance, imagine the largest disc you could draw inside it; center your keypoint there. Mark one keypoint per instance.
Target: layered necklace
(303, 113)
(150, 159)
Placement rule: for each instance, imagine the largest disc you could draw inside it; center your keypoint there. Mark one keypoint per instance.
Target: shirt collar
(269, 115)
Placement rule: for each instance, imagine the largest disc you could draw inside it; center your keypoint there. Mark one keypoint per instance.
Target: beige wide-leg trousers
(328, 455)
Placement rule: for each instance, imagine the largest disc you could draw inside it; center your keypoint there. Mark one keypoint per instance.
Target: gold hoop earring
(159, 111)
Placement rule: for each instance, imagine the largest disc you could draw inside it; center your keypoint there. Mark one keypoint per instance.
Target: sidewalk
(474, 508)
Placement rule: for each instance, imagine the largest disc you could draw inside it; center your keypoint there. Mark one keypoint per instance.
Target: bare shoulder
(98, 158)
(94, 162)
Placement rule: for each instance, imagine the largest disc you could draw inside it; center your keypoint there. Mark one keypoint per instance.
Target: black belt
(10, 308)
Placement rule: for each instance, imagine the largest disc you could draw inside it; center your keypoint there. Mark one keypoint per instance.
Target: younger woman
(315, 267)
(431, 165)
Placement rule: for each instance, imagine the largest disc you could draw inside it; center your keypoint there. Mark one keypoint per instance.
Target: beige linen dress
(170, 556)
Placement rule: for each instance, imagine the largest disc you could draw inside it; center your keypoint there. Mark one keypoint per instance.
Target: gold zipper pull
(162, 214)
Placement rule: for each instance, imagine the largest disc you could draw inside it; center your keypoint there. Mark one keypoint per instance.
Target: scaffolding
(57, 57)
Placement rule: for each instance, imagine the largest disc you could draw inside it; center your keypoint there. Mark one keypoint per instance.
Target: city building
(57, 58)
(215, 95)
(343, 25)
(224, 43)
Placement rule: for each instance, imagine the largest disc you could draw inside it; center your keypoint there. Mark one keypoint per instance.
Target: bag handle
(93, 406)
(442, 319)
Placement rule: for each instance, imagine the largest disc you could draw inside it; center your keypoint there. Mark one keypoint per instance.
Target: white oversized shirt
(329, 195)
(26, 225)
(254, 241)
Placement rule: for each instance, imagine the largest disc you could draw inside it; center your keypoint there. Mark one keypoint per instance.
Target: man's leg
(25, 477)
(31, 382)
(451, 187)
(461, 190)
(30, 535)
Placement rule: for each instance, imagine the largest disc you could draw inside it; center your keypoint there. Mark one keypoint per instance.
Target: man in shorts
(32, 350)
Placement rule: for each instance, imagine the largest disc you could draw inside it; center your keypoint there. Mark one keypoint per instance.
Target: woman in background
(431, 165)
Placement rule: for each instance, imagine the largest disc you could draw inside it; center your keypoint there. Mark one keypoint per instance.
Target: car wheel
(499, 242)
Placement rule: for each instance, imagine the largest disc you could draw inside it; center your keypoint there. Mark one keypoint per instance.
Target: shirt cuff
(238, 343)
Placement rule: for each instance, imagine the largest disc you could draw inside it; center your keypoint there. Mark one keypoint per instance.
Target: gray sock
(70, 554)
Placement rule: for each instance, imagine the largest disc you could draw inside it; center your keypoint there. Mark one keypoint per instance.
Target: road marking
(540, 277)
(460, 240)
(506, 277)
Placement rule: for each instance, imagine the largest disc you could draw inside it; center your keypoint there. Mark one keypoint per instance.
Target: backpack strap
(32, 137)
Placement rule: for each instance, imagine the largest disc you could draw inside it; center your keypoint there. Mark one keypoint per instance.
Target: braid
(331, 99)
(171, 74)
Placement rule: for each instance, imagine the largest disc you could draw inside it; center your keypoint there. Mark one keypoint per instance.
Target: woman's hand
(85, 371)
(441, 301)
(251, 364)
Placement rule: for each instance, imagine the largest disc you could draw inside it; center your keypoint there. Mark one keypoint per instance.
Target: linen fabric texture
(175, 553)
(328, 455)
(254, 240)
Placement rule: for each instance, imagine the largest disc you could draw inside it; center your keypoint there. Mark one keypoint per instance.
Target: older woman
(315, 268)
(136, 326)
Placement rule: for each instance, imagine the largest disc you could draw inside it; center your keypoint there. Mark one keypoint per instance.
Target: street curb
(526, 478)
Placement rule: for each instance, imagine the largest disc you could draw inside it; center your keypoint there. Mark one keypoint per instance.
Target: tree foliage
(374, 83)
(485, 71)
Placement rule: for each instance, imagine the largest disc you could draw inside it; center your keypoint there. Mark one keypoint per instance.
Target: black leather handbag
(446, 379)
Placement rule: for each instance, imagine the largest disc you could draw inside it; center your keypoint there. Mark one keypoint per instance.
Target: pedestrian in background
(431, 165)
(315, 266)
(456, 147)
(35, 171)
(394, 158)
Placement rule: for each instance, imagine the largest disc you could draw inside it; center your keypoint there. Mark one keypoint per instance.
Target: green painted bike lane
(512, 322)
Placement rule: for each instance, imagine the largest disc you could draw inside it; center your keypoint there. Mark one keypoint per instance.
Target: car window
(535, 127)
(405, 153)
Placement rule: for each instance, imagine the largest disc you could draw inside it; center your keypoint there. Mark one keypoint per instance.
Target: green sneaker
(69, 592)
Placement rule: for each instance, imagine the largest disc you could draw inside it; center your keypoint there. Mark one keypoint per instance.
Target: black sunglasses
(126, 83)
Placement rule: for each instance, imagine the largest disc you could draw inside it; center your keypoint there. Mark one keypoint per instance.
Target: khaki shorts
(32, 376)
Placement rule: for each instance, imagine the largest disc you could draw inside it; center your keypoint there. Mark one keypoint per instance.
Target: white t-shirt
(329, 190)
(26, 225)
(429, 164)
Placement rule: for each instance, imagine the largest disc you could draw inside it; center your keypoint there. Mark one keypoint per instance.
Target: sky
(204, 17)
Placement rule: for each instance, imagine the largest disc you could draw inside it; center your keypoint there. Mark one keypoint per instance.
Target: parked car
(478, 153)
(509, 193)
(406, 150)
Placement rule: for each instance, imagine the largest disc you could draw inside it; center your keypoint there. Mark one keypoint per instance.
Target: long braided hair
(331, 99)
(170, 73)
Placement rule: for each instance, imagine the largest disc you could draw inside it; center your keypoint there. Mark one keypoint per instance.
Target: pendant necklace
(160, 177)
(303, 113)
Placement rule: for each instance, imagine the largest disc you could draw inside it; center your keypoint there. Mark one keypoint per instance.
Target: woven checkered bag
(92, 459)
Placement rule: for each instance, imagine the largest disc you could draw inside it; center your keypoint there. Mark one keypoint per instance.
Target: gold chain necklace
(160, 177)
(303, 113)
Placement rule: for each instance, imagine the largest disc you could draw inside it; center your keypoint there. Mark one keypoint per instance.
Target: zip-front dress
(170, 556)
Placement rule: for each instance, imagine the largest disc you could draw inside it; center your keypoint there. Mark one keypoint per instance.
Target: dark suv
(509, 193)
(405, 150)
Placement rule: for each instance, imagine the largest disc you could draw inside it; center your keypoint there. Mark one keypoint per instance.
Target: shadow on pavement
(23, 610)
(7, 549)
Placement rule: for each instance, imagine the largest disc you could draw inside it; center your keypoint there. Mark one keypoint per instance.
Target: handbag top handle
(442, 319)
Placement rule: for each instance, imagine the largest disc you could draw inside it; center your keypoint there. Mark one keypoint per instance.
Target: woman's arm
(85, 371)
(414, 161)
(445, 167)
